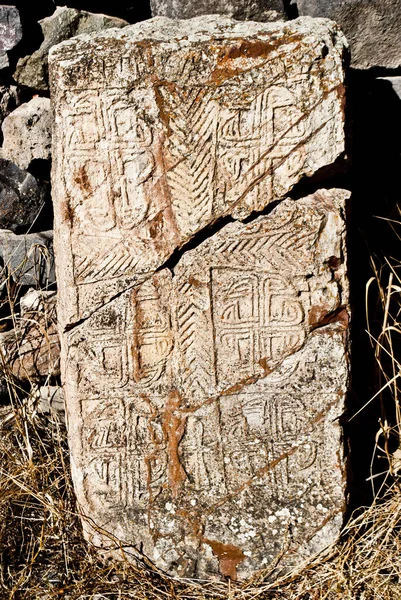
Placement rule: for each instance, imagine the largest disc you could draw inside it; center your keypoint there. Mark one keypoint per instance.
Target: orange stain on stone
(174, 428)
(81, 178)
(229, 557)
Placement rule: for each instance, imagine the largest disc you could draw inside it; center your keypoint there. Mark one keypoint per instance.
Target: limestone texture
(204, 383)
(10, 32)
(28, 259)
(255, 10)
(204, 404)
(21, 197)
(32, 70)
(27, 133)
(372, 28)
(164, 127)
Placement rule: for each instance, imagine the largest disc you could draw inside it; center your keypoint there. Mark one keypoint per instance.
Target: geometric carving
(258, 317)
(203, 394)
(204, 402)
(156, 141)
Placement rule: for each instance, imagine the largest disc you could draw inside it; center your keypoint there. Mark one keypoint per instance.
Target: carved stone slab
(204, 404)
(163, 127)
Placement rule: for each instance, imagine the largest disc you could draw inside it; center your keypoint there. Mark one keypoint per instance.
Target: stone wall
(164, 269)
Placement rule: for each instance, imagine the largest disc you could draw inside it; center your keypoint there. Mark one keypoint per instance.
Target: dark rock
(32, 71)
(255, 10)
(28, 259)
(372, 27)
(10, 32)
(21, 198)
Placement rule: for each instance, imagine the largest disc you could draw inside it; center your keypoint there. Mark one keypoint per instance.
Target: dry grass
(43, 554)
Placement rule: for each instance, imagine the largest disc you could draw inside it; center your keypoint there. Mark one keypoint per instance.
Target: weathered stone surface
(27, 133)
(21, 198)
(164, 127)
(255, 10)
(372, 28)
(10, 32)
(8, 101)
(28, 259)
(65, 23)
(204, 404)
(31, 351)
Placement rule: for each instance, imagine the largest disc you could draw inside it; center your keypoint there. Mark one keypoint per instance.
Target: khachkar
(204, 385)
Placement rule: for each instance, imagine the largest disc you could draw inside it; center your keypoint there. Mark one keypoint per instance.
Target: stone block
(203, 386)
(255, 10)
(204, 404)
(64, 23)
(10, 32)
(21, 197)
(165, 127)
(28, 259)
(372, 28)
(27, 133)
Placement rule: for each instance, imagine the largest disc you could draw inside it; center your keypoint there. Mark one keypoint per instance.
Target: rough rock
(204, 405)
(229, 117)
(27, 133)
(21, 197)
(32, 70)
(255, 10)
(372, 28)
(31, 350)
(28, 259)
(10, 32)
(9, 100)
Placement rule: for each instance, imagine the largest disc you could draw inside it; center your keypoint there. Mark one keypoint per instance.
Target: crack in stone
(204, 234)
(203, 281)
(226, 217)
(198, 238)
